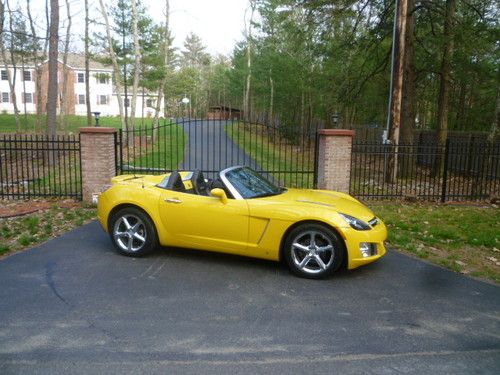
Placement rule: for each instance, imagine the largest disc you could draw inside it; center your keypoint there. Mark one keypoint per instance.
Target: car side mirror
(221, 194)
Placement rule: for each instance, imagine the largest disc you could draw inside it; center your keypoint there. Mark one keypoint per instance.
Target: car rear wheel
(313, 251)
(132, 232)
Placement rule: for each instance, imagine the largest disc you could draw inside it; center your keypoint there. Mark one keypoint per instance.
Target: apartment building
(103, 97)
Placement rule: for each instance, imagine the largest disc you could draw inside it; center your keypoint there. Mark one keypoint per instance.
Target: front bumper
(353, 239)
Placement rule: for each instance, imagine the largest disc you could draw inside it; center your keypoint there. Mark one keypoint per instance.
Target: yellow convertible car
(314, 231)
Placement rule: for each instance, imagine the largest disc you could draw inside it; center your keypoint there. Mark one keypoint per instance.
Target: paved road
(210, 149)
(74, 306)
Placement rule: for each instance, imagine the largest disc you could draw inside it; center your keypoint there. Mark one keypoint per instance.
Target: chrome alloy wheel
(312, 252)
(129, 233)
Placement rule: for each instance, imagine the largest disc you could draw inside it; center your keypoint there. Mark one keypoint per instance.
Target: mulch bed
(20, 208)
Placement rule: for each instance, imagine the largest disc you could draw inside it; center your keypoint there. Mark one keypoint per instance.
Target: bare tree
(52, 94)
(64, 99)
(166, 45)
(116, 68)
(11, 77)
(1, 17)
(137, 63)
(38, 56)
(87, 65)
(248, 32)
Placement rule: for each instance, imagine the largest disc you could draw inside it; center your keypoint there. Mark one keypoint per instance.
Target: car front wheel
(132, 232)
(313, 251)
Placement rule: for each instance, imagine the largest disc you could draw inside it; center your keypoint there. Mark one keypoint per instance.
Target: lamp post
(335, 120)
(97, 116)
(185, 101)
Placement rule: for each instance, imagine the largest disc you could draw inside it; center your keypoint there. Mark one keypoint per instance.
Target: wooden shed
(224, 113)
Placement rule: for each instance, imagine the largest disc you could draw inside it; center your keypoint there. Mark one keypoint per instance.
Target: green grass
(167, 152)
(72, 123)
(277, 155)
(462, 238)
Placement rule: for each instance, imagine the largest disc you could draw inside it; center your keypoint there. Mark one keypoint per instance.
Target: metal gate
(284, 152)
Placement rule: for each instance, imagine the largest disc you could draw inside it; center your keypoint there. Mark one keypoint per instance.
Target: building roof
(74, 61)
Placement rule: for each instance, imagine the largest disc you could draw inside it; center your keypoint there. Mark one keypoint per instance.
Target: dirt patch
(21, 208)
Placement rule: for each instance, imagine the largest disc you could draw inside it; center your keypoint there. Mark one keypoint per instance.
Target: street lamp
(97, 115)
(186, 101)
(335, 120)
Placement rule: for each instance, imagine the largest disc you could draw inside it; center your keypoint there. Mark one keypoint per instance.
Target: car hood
(339, 202)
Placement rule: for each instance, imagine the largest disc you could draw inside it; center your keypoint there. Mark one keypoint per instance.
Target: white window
(28, 97)
(5, 97)
(81, 77)
(150, 103)
(102, 99)
(103, 79)
(4, 75)
(26, 76)
(81, 99)
(127, 102)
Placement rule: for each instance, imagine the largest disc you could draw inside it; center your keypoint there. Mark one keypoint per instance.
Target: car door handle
(173, 200)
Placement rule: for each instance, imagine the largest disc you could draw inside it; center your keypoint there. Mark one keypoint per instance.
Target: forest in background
(300, 61)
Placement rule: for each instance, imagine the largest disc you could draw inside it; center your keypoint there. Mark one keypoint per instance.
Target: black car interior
(175, 182)
(200, 185)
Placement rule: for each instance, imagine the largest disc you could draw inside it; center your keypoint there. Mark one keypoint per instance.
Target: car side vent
(373, 222)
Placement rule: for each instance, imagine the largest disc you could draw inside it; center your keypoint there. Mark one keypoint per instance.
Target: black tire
(313, 259)
(132, 232)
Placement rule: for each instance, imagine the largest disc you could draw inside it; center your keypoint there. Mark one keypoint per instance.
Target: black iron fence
(285, 153)
(457, 171)
(39, 166)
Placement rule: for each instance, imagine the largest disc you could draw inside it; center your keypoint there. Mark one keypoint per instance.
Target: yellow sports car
(240, 212)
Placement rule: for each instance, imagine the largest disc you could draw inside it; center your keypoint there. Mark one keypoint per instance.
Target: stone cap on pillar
(337, 132)
(98, 130)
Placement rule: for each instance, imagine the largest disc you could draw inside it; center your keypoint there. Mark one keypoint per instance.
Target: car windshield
(250, 184)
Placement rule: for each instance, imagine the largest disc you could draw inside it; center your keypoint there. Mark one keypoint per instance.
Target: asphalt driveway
(210, 149)
(73, 305)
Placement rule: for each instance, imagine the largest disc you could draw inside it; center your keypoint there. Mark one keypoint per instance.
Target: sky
(219, 23)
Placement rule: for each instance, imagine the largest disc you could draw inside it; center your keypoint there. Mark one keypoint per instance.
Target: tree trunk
(1, 17)
(24, 90)
(116, 68)
(64, 101)
(11, 78)
(407, 159)
(52, 94)
(38, 59)
(137, 63)
(166, 45)
(87, 65)
(271, 98)
(445, 84)
(246, 104)
(397, 84)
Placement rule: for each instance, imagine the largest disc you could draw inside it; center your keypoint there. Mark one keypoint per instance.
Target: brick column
(334, 159)
(98, 151)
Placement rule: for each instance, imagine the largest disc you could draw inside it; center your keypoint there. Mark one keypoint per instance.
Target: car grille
(373, 222)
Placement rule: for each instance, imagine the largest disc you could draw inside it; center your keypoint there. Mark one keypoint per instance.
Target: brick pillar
(98, 160)
(334, 159)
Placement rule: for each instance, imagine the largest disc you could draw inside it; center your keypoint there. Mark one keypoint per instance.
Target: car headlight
(355, 223)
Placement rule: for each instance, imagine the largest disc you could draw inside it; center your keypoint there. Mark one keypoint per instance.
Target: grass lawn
(166, 153)
(287, 161)
(72, 123)
(464, 239)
